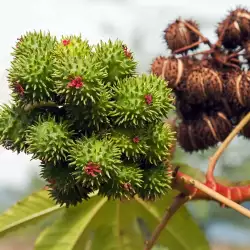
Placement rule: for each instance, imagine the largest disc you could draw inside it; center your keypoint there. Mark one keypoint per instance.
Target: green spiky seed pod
(71, 197)
(91, 120)
(78, 74)
(161, 138)
(128, 179)
(13, 124)
(133, 143)
(115, 56)
(140, 100)
(30, 73)
(49, 140)
(156, 183)
(94, 160)
(33, 41)
(92, 115)
(73, 46)
(59, 176)
(62, 185)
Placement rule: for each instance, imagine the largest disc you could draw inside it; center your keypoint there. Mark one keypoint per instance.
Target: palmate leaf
(102, 224)
(122, 232)
(27, 212)
(112, 225)
(98, 224)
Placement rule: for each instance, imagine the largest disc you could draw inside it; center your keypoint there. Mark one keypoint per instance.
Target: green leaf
(66, 232)
(122, 232)
(27, 212)
(96, 224)
(181, 232)
(102, 224)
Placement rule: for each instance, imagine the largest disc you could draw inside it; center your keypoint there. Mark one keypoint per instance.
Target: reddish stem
(237, 194)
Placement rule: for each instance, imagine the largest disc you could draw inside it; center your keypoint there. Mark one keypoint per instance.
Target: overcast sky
(134, 20)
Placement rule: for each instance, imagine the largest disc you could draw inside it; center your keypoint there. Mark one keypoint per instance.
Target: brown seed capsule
(242, 17)
(178, 35)
(237, 88)
(170, 69)
(203, 133)
(232, 33)
(187, 111)
(203, 84)
(236, 27)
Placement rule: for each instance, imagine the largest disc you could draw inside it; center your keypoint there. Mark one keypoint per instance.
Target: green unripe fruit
(33, 41)
(48, 140)
(92, 115)
(156, 182)
(30, 73)
(94, 160)
(59, 176)
(77, 72)
(91, 120)
(132, 142)
(117, 59)
(160, 139)
(129, 178)
(13, 124)
(71, 197)
(140, 100)
(62, 185)
(73, 46)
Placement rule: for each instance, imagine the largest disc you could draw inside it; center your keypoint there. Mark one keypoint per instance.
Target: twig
(213, 160)
(188, 47)
(192, 28)
(236, 53)
(219, 41)
(179, 201)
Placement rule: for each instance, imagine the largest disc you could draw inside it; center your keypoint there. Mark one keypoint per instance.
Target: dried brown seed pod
(242, 17)
(203, 133)
(232, 36)
(236, 27)
(178, 36)
(170, 69)
(187, 111)
(203, 84)
(237, 88)
(231, 110)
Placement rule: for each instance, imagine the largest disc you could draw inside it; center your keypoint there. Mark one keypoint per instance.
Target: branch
(179, 201)
(220, 193)
(223, 146)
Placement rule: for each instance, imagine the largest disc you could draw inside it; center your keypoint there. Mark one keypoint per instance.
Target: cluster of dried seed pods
(212, 87)
(208, 130)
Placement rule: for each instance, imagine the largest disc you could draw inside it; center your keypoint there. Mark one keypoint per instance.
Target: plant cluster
(211, 86)
(92, 121)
